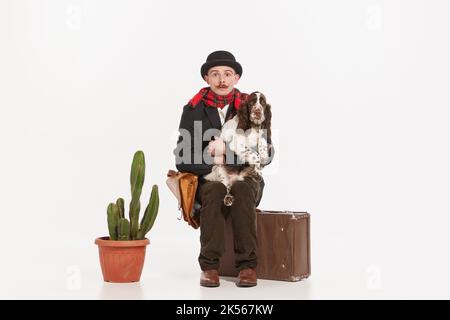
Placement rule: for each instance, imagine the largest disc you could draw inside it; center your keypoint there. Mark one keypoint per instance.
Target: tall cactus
(137, 181)
(150, 213)
(119, 227)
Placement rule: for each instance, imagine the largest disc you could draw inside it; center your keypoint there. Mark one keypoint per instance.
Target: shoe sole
(210, 285)
(246, 285)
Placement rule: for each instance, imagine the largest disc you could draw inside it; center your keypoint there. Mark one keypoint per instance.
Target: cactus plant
(121, 204)
(119, 227)
(150, 213)
(113, 220)
(124, 229)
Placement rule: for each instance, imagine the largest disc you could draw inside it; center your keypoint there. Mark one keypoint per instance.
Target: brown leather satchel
(184, 186)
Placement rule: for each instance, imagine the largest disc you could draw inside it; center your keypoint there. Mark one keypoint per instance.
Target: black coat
(209, 119)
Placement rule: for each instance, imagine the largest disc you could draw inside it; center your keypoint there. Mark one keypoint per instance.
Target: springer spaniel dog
(246, 134)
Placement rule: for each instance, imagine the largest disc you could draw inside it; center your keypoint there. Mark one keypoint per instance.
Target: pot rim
(105, 242)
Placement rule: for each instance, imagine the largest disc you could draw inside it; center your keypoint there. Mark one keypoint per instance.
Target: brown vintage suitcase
(283, 246)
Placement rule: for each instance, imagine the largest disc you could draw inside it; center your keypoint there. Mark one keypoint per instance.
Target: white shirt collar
(223, 113)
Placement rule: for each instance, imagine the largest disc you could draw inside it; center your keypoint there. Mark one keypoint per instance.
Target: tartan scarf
(212, 99)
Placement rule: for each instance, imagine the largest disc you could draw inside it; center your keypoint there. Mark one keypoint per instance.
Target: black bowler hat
(221, 58)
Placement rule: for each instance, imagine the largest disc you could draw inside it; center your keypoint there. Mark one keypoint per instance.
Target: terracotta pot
(121, 261)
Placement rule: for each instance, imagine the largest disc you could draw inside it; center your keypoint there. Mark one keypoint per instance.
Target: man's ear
(206, 79)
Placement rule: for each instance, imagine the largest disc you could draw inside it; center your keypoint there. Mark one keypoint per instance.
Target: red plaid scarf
(212, 99)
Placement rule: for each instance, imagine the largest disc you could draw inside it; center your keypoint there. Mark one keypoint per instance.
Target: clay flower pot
(121, 261)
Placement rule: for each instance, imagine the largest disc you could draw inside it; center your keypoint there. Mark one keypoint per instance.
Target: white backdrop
(361, 121)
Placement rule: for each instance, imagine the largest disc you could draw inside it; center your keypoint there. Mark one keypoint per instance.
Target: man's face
(221, 79)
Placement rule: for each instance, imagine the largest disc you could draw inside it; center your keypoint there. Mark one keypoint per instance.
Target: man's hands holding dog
(216, 149)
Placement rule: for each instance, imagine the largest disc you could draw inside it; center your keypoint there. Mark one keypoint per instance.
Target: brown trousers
(213, 214)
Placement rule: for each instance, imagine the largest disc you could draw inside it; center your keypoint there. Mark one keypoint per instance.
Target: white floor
(342, 268)
(184, 285)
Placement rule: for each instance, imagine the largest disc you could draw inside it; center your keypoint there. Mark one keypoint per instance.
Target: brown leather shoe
(247, 278)
(210, 278)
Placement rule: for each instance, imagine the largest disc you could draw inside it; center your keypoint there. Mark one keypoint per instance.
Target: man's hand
(216, 147)
(219, 160)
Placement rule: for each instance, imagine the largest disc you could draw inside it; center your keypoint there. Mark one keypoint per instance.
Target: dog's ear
(244, 116)
(267, 124)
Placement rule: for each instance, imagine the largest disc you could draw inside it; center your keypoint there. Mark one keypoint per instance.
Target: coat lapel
(231, 112)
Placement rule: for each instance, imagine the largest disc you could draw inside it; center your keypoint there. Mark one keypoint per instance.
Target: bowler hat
(221, 58)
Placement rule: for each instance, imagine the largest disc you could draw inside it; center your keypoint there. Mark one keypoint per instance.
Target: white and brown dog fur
(246, 134)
